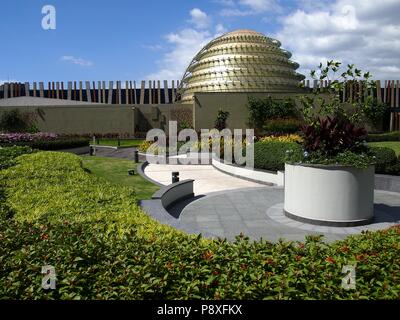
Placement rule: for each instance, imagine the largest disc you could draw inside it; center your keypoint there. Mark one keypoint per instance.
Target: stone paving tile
(205, 218)
(206, 225)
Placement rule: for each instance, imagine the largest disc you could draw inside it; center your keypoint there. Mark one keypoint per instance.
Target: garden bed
(104, 247)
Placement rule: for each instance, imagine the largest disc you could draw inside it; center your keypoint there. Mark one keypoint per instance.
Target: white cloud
(9, 81)
(152, 47)
(249, 7)
(183, 46)
(258, 5)
(77, 61)
(220, 29)
(366, 33)
(199, 18)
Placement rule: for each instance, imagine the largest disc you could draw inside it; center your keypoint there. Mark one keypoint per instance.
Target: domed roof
(240, 61)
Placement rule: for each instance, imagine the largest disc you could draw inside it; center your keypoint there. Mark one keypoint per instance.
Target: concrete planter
(329, 194)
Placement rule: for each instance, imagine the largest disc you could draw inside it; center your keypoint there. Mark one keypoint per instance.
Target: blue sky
(135, 40)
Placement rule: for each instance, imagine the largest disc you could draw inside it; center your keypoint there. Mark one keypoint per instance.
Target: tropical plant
(331, 136)
(332, 130)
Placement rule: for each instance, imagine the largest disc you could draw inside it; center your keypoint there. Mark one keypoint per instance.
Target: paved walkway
(258, 213)
(123, 153)
(207, 179)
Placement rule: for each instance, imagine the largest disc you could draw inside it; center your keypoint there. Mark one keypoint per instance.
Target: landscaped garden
(104, 246)
(82, 216)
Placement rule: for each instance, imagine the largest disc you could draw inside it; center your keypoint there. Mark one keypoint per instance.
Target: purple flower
(27, 137)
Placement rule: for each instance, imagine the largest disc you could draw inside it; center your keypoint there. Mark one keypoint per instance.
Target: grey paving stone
(204, 218)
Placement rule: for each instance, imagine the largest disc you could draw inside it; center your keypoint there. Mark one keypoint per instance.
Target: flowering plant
(9, 138)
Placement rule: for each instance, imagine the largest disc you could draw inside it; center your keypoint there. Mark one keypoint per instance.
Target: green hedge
(104, 247)
(384, 158)
(271, 155)
(282, 126)
(389, 136)
(8, 155)
(53, 145)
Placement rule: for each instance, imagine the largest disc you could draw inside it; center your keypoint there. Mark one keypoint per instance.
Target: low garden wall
(261, 176)
(175, 192)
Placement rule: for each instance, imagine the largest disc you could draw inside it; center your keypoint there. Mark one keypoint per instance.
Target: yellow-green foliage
(54, 186)
(286, 138)
(145, 145)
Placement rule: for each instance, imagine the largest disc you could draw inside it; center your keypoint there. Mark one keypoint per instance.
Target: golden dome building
(240, 61)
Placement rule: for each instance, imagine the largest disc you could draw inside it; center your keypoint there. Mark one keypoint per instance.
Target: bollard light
(136, 155)
(175, 176)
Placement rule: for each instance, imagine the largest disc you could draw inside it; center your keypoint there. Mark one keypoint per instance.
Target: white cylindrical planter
(331, 195)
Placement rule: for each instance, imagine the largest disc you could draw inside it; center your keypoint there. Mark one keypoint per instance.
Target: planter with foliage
(331, 182)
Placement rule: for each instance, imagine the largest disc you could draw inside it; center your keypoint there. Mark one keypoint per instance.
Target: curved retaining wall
(255, 175)
(175, 192)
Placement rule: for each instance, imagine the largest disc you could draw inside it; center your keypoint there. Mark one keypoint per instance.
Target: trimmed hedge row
(104, 247)
(379, 137)
(271, 155)
(51, 145)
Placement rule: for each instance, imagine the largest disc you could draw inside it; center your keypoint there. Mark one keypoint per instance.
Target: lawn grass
(395, 145)
(123, 142)
(116, 171)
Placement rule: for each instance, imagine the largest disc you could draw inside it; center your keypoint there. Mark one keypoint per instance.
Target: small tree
(220, 122)
(16, 121)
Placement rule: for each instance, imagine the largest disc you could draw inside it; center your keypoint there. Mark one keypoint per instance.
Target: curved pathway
(206, 178)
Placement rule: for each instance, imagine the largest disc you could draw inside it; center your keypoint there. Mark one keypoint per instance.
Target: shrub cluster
(386, 161)
(271, 155)
(282, 126)
(103, 246)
